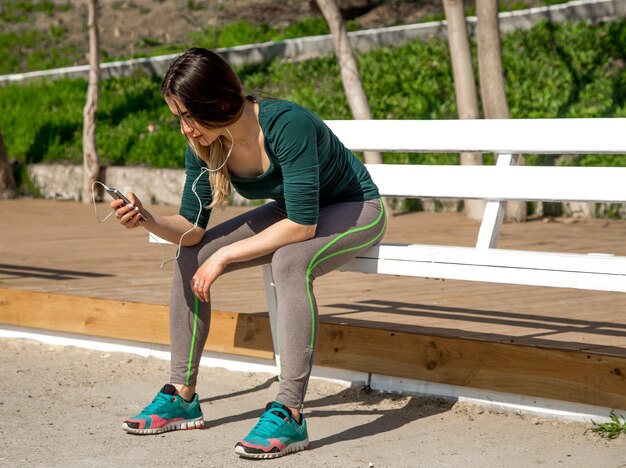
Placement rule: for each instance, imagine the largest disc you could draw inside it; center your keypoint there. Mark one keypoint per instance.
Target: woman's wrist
(224, 256)
(148, 221)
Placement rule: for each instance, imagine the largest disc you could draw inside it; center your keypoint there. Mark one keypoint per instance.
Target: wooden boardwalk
(62, 270)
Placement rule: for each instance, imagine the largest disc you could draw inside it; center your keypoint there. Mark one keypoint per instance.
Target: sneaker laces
(272, 419)
(159, 400)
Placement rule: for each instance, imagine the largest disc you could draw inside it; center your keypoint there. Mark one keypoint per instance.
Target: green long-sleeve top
(309, 168)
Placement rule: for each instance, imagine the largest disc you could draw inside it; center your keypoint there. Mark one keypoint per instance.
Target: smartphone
(115, 193)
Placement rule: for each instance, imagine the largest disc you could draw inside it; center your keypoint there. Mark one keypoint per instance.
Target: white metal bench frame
(495, 184)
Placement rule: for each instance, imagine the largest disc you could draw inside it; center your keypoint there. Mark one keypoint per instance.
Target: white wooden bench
(495, 184)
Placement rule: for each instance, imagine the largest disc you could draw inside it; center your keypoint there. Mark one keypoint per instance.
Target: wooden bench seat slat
(595, 262)
(603, 272)
(490, 274)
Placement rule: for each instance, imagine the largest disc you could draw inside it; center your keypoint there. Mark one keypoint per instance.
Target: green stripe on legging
(193, 339)
(314, 262)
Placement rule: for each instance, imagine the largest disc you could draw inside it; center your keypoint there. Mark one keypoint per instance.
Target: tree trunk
(7, 182)
(492, 89)
(350, 77)
(464, 85)
(91, 163)
(349, 70)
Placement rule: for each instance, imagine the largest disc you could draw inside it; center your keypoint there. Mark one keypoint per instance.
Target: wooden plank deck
(60, 269)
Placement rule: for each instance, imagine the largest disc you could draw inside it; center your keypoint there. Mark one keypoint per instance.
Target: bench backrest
(500, 183)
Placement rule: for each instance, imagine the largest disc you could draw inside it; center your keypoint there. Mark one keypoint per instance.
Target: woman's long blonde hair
(214, 156)
(212, 94)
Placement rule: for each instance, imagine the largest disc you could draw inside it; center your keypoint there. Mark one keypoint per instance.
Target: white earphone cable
(195, 192)
(95, 210)
(93, 199)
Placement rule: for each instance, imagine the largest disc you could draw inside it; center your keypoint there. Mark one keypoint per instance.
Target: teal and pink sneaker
(167, 412)
(276, 434)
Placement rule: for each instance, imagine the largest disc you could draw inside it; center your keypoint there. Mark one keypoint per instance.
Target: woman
(325, 210)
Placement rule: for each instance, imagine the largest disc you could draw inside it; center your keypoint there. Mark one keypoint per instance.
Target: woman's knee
(191, 257)
(289, 263)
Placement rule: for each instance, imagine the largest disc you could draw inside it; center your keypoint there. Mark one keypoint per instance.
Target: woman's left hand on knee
(205, 276)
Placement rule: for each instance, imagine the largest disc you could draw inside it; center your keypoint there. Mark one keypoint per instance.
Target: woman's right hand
(128, 214)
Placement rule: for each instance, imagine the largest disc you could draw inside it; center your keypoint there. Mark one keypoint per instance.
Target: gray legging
(343, 230)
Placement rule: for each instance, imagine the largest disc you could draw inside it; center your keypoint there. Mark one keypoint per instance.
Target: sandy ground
(63, 407)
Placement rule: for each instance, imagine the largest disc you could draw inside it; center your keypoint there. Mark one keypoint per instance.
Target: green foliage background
(568, 70)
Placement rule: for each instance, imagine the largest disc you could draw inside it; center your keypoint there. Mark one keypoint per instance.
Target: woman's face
(188, 126)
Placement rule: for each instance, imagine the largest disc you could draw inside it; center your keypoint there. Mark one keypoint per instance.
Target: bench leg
(494, 214)
(272, 304)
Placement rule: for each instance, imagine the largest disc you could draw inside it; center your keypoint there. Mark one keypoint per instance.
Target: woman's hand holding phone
(127, 208)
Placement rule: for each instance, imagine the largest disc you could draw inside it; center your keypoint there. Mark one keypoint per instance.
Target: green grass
(18, 11)
(28, 49)
(613, 428)
(36, 50)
